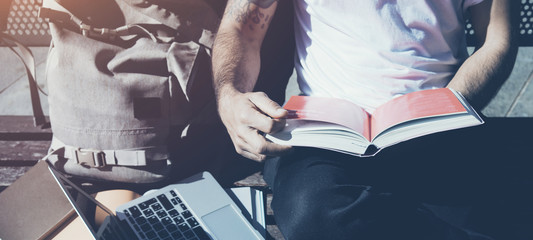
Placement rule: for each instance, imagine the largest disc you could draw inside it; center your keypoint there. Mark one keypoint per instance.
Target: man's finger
(260, 145)
(273, 149)
(265, 124)
(243, 147)
(266, 105)
(252, 156)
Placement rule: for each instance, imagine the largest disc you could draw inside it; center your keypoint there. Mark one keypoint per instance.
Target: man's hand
(247, 117)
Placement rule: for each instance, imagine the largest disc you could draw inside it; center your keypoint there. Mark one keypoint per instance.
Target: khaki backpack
(125, 78)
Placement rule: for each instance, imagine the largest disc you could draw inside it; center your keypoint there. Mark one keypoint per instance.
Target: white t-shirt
(369, 51)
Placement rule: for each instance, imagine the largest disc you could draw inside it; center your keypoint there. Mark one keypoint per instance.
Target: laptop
(196, 208)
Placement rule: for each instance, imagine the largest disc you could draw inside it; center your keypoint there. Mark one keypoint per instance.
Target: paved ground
(515, 99)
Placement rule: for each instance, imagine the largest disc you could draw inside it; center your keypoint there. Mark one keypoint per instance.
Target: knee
(313, 214)
(312, 200)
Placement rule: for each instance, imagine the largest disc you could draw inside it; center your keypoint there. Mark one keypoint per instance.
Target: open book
(340, 125)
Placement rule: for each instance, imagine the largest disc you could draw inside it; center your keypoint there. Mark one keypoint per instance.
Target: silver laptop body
(196, 208)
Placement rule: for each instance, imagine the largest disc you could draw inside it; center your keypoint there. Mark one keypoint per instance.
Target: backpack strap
(64, 16)
(207, 39)
(102, 158)
(125, 32)
(26, 57)
(207, 20)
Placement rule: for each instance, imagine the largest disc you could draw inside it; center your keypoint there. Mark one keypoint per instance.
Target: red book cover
(415, 105)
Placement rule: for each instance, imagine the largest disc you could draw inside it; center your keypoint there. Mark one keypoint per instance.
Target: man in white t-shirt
(368, 52)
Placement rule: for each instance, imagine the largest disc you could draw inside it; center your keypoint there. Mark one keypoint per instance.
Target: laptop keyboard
(165, 216)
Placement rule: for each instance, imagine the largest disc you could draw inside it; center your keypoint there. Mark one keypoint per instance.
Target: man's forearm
(236, 60)
(235, 64)
(483, 73)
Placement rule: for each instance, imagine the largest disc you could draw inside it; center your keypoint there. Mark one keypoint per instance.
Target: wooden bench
(22, 144)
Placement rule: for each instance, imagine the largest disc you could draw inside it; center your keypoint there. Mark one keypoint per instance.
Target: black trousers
(320, 194)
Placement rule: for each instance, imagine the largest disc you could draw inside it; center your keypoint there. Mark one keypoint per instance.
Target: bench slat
(20, 124)
(22, 153)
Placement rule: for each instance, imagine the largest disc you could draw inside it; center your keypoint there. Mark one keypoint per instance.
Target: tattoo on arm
(243, 12)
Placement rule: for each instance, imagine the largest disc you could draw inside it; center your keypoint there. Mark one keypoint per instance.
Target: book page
(415, 105)
(331, 110)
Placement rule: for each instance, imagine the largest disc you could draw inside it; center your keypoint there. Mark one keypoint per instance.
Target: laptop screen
(98, 219)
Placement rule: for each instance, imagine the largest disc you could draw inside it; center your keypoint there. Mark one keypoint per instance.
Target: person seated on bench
(369, 52)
